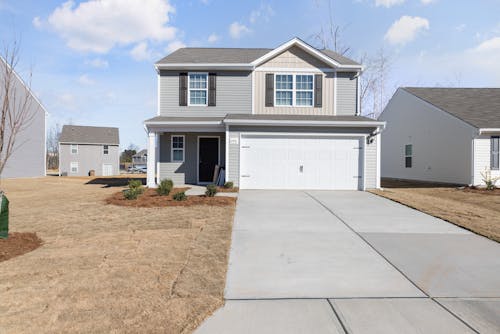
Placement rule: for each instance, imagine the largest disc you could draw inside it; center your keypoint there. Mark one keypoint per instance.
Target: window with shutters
(494, 148)
(294, 90)
(198, 89)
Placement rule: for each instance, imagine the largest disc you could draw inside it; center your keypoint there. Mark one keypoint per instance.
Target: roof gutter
(190, 123)
(364, 124)
(489, 130)
(205, 66)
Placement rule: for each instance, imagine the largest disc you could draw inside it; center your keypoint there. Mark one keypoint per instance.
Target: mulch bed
(228, 190)
(150, 199)
(18, 244)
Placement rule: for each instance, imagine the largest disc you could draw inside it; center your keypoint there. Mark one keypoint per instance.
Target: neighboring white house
(140, 158)
(447, 135)
(28, 157)
(283, 118)
(89, 148)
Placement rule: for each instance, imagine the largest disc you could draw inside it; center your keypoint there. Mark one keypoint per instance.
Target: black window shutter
(269, 89)
(318, 90)
(183, 93)
(495, 157)
(212, 89)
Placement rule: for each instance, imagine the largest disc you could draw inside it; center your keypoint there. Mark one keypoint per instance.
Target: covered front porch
(185, 150)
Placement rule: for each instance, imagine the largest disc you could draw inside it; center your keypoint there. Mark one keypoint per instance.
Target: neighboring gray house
(447, 135)
(86, 148)
(283, 118)
(140, 158)
(28, 157)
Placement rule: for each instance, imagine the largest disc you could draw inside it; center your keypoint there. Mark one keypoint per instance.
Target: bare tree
(329, 37)
(374, 93)
(53, 146)
(16, 103)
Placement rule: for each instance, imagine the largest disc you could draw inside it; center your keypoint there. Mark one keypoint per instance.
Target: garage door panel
(298, 162)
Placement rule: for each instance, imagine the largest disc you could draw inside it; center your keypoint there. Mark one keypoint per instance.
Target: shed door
(107, 169)
(301, 162)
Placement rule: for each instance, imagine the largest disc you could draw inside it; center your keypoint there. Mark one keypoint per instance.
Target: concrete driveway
(353, 262)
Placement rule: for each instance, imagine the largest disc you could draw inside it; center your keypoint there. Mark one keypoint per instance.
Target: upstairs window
(105, 149)
(409, 156)
(177, 154)
(294, 90)
(494, 148)
(198, 89)
(74, 149)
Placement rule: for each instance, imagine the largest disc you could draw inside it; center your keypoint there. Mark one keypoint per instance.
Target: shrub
(165, 187)
(229, 185)
(136, 185)
(180, 196)
(488, 180)
(132, 193)
(211, 190)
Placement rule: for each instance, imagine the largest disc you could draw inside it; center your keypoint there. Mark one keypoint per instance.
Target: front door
(208, 157)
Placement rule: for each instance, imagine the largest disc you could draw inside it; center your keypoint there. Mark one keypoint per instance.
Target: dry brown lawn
(110, 269)
(475, 210)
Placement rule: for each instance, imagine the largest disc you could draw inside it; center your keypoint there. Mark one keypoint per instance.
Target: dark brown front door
(208, 158)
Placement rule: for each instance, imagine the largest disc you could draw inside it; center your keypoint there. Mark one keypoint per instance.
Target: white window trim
(491, 153)
(189, 90)
(104, 149)
(172, 148)
(73, 163)
(71, 148)
(409, 156)
(293, 90)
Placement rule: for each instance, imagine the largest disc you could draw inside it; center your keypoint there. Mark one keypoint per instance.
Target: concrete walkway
(353, 262)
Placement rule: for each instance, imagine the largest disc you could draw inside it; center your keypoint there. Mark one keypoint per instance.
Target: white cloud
(490, 45)
(389, 3)
(99, 25)
(141, 52)
(236, 30)
(171, 47)
(37, 22)
(461, 27)
(213, 38)
(427, 2)
(97, 63)
(264, 12)
(406, 29)
(85, 80)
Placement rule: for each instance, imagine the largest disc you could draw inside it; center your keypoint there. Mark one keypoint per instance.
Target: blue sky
(93, 60)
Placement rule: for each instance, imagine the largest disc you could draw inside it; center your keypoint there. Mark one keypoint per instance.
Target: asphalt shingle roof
(89, 135)
(480, 107)
(232, 56)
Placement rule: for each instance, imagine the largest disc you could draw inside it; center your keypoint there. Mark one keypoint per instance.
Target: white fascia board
(180, 123)
(80, 143)
(489, 130)
(309, 49)
(204, 66)
(363, 124)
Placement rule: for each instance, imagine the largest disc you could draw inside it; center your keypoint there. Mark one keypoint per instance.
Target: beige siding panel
(260, 95)
(295, 57)
(185, 172)
(371, 164)
(233, 96)
(234, 159)
(347, 86)
(482, 159)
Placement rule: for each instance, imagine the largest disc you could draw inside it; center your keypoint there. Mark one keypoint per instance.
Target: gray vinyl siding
(28, 157)
(185, 172)
(347, 86)
(89, 157)
(233, 95)
(370, 168)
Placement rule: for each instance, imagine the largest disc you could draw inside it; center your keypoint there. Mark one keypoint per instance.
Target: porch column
(151, 182)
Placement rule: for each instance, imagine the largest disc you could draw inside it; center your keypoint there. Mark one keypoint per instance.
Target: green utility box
(4, 217)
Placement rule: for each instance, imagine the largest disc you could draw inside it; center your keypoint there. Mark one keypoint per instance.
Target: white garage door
(107, 169)
(298, 162)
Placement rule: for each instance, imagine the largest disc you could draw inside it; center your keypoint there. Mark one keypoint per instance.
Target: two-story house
(283, 118)
(83, 149)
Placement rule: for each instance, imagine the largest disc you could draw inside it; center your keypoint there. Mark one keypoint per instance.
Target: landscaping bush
(132, 193)
(180, 196)
(165, 187)
(229, 185)
(136, 185)
(211, 190)
(488, 180)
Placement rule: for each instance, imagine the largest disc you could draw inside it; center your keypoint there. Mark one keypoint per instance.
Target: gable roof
(141, 153)
(479, 107)
(89, 135)
(247, 57)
